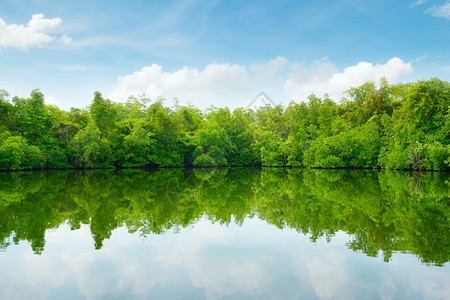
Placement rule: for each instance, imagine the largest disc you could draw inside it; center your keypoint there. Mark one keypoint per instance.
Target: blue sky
(220, 53)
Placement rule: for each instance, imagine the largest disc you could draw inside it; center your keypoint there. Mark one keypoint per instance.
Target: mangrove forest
(386, 126)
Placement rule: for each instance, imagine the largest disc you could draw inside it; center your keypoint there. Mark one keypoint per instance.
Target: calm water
(224, 234)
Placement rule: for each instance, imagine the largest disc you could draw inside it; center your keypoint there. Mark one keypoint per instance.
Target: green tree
(89, 150)
(161, 122)
(104, 114)
(420, 128)
(214, 147)
(138, 147)
(6, 111)
(16, 154)
(270, 134)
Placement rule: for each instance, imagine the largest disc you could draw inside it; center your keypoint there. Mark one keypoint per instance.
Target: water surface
(224, 234)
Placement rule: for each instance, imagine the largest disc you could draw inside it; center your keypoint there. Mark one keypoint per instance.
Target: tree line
(391, 126)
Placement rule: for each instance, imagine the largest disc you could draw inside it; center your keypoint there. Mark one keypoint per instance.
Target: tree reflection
(383, 211)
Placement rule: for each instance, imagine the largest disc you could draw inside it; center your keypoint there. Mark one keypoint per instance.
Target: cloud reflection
(211, 261)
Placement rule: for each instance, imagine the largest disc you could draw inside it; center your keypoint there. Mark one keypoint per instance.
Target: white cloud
(417, 3)
(65, 39)
(34, 34)
(231, 85)
(216, 80)
(52, 101)
(421, 57)
(323, 77)
(442, 11)
(328, 276)
(266, 71)
(253, 261)
(320, 69)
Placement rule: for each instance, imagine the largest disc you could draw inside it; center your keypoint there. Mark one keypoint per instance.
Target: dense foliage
(382, 211)
(402, 126)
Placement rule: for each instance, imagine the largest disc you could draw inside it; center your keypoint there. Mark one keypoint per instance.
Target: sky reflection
(211, 261)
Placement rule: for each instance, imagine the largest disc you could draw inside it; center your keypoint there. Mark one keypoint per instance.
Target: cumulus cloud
(442, 11)
(266, 71)
(231, 85)
(323, 77)
(34, 34)
(215, 80)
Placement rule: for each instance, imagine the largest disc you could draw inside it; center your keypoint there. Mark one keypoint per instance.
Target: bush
(16, 154)
(204, 160)
(436, 157)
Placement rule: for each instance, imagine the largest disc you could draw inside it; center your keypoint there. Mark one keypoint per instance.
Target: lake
(222, 233)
